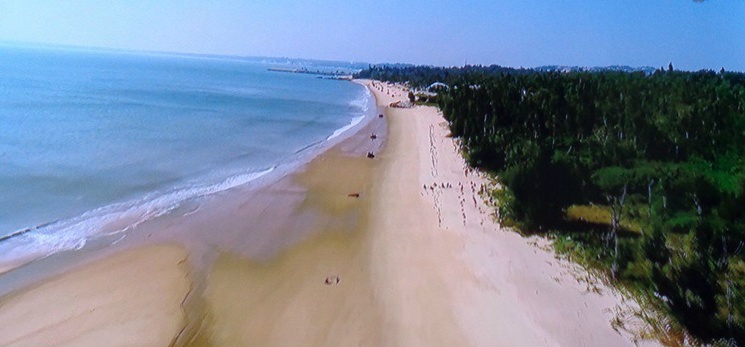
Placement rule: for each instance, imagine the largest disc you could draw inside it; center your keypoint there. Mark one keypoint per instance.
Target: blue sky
(516, 33)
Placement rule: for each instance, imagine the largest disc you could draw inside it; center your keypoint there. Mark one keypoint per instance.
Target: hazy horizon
(692, 35)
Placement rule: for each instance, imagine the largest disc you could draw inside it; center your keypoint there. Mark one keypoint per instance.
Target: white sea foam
(74, 233)
(341, 130)
(363, 102)
(363, 105)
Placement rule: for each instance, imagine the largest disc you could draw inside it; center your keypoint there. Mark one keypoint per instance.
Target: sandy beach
(395, 250)
(453, 276)
(130, 299)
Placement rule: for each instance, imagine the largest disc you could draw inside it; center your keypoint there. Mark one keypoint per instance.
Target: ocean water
(88, 137)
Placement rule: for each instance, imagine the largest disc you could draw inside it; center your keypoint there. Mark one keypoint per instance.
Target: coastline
(297, 206)
(418, 258)
(249, 156)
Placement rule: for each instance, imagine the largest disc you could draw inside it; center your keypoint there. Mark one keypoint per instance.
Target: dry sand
(418, 258)
(450, 275)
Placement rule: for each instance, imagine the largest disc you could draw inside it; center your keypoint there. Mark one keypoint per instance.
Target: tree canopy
(665, 150)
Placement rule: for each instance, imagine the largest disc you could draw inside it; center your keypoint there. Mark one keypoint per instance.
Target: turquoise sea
(91, 136)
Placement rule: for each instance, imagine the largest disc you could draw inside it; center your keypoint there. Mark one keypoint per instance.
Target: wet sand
(131, 299)
(293, 298)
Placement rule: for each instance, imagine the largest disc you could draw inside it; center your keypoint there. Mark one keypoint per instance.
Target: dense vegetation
(423, 76)
(663, 154)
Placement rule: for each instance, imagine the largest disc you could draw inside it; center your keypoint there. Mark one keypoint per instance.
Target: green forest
(639, 174)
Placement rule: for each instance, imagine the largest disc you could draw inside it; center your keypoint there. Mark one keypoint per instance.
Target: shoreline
(121, 217)
(293, 210)
(395, 250)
